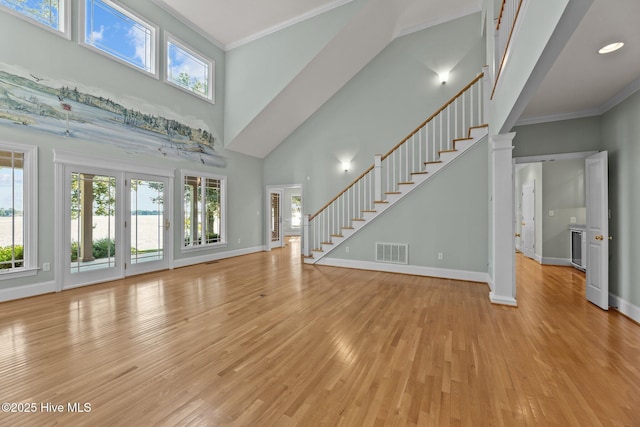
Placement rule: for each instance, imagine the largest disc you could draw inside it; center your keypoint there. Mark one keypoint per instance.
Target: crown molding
(180, 17)
(559, 117)
(293, 21)
(625, 93)
(617, 99)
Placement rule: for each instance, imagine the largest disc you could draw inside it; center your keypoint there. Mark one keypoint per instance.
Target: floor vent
(395, 253)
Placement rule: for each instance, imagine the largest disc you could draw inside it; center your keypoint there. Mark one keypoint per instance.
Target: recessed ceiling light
(611, 48)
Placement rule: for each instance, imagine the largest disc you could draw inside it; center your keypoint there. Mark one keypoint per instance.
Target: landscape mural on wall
(28, 102)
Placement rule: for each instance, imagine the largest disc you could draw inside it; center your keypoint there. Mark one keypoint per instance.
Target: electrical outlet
(440, 256)
(238, 241)
(346, 249)
(551, 213)
(46, 266)
(573, 220)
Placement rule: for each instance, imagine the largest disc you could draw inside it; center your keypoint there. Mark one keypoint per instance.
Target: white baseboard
(625, 307)
(416, 270)
(556, 261)
(502, 300)
(26, 291)
(537, 258)
(216, 256)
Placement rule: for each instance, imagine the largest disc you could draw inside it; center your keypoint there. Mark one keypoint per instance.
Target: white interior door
(597, 233)
(147, 223)
(528, 220)
(275, 215)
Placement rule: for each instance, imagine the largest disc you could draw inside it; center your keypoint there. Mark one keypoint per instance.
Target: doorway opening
(554, 196)
(284, 214)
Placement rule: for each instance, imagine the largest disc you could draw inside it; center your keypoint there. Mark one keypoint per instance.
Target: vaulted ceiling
(580, 83)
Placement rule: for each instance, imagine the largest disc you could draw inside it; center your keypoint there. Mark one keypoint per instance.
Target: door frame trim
(267, 212)
(62, 159)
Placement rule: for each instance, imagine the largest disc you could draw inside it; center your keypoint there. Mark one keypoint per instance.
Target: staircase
(431, 147)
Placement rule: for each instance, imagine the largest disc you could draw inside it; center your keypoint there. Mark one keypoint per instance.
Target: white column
(377, 177)
(502, 250)
(305, 235)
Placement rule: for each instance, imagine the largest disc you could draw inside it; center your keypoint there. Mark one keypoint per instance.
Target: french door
(147, 224)
(114, 224)
(275, 216)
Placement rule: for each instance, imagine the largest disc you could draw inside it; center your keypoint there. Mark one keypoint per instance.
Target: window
(112, 30)
(18, 211)
(204, 209)
(49, 14)
(189, 70)
(296, 211)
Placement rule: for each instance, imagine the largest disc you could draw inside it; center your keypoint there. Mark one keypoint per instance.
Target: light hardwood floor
(262, 340)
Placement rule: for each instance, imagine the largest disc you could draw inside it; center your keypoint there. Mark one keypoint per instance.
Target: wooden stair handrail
(440, 110)
(342, 192)
(506, 48)
(504, 4)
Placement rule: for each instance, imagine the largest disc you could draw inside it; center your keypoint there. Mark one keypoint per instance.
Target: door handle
(517, 234)
(524, 223)
(167, 224)
(599, 237)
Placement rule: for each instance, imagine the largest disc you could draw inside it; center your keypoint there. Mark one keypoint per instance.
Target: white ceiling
(232, 22)
(581, 82)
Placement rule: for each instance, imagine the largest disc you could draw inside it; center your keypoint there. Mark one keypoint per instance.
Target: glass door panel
(93, 222)
(147, 224)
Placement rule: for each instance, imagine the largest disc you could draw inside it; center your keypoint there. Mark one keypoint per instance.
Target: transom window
(115, 31)
(203, 209)
(188, 69)
(50, 14)
(18, 212)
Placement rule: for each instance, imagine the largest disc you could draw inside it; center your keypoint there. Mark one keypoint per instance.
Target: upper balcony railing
(506, 22)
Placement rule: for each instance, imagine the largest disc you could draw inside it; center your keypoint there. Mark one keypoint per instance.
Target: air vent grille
(394, 253)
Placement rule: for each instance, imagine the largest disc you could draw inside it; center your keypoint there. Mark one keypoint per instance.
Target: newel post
(305, 235)
(377, 177)
(486, 94)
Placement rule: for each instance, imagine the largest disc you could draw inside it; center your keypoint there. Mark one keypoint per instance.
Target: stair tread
(393, 192)
(337, 235)
(347, 228)
(433, 162)
(317, 250)
(326, 243)
(447, 151)
(406, 183)
(462, 139)
(370, 211)
(358, 219)
(380, 201)
(419, 173)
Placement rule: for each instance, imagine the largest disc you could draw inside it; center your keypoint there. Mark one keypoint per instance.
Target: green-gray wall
(621, 137)
(447, 214)
(559, 187)
(563, 192)
(567, 136)
(384, 102)
(39, 52)
(256, 72)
